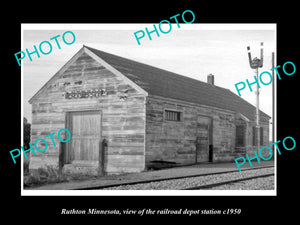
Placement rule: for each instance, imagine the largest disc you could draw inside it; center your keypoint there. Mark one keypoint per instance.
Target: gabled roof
(163, 83)
(158, 82)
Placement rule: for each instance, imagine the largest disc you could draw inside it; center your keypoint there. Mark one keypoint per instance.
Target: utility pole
(273, 101)
(254, 64)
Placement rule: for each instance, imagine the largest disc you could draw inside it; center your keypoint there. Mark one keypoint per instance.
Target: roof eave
(115, 71)
(60, 71)
(86, 50)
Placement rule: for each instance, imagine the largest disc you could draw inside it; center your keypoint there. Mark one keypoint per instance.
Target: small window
(261, 136)
(240, 135)
(254, 136)
(172, 115)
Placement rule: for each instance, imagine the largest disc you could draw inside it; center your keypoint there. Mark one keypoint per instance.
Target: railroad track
(181, 180)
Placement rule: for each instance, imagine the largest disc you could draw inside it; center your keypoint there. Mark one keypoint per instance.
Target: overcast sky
(194, 50)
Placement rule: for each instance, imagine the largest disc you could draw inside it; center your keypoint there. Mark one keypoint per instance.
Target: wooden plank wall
(123, 121)
(175, 141)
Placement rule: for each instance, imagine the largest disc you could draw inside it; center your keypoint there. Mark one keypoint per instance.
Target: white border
(136, 27)
(149, 193)
(133, 26)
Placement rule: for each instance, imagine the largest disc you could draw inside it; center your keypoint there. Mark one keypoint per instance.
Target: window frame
(244, 128)
(254, 135)
(172, 115)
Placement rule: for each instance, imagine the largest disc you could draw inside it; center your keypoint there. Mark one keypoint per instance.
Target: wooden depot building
(124, 115)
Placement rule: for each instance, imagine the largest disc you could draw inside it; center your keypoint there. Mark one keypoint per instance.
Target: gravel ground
(264, 183)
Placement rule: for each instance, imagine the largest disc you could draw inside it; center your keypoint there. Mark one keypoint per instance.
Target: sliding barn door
(85, 128)
(203, 153)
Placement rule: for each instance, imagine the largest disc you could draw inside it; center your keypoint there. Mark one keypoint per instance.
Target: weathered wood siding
(122, 121)
(176, 141)
(250, 148)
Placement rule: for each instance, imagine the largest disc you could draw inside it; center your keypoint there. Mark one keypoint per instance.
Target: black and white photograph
(164, 115)
(150, 112)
